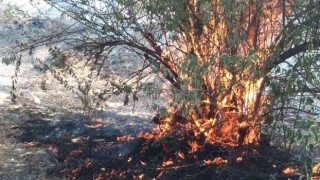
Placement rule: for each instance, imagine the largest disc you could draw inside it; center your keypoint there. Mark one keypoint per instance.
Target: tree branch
(294, 51)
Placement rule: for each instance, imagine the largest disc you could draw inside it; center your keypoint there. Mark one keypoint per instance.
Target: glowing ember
(167, 163)
(158, 177)
(140, 176)
(194, 146)
(125, 138)
(239, 159)
(316, 168)
(181, 155)
(143, 163)
(290, 170)
(115, 174)
(79, 140)
(53, 149)
(97, 123)
(75, 171)
(216, 161)
(87, 163)
(94, 126)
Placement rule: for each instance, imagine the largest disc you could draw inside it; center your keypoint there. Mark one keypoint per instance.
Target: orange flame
(194, 146)
(216, 161)
(232, 101)
(290, 170)
(316, 168)
(181, 155)
(167, 163)
(140, 176)
(239, 159)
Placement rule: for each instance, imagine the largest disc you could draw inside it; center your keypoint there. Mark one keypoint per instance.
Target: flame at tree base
(233, 130)
(234, 121)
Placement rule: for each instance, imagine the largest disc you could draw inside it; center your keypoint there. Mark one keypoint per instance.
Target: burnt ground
(52, 140)
(39, 145)
(33, 141)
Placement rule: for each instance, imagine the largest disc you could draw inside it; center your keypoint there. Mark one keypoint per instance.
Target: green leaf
(163, 112)
(193, 63)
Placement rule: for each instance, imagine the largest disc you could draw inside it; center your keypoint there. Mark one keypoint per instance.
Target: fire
(239, 159)
(194, 146)
(125, 138)
(75, 171)
(140, 176)
(290, 170)
(96, 124)
(181, 155)
(167, 163)
(227, 79)
(115, 174)
(316, 168)
(143, 163)
(232, 90)
(216, 161)
(158, 177)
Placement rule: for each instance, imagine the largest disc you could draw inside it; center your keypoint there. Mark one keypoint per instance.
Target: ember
(290, 170)
(96, 123)
(239, 159)
(216, 161)
(316, 168)
(125, 138)
(167, 163)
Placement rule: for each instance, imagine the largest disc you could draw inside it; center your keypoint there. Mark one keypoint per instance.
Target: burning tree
(217, 55)
(220, 57)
